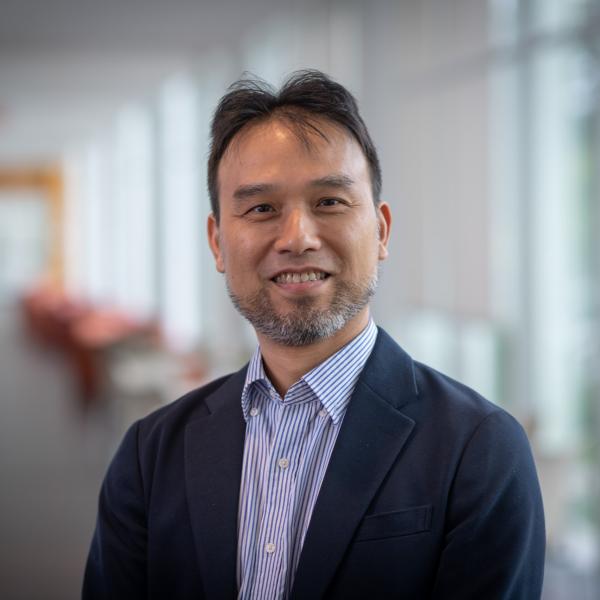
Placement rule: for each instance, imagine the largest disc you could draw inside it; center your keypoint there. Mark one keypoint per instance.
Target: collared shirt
(286, 452)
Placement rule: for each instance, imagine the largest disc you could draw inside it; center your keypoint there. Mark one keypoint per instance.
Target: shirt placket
(275, 539)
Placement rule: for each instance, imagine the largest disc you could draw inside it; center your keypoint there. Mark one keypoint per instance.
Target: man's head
(306, 97)
(299, 234)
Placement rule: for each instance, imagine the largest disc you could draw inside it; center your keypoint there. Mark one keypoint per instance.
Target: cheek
(240, 258)
(363, 247)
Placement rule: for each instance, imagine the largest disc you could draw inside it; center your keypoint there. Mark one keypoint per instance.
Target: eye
(260, 209)
(330, 202)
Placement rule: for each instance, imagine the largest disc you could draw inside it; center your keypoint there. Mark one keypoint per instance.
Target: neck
(286, 364)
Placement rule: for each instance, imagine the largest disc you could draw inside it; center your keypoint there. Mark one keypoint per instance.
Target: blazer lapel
(214, 446)
(373, 433)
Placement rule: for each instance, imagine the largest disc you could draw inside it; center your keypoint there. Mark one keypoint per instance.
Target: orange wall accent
(48, 181)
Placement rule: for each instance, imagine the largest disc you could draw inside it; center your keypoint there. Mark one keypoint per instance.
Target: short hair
(305, 96)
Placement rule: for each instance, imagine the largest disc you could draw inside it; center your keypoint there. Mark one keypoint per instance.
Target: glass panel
(133, 215)
(554, 15)
(98, 224)
(544, 164)
(504, 21)
(181, 225)
(558, 286)
(74, 236)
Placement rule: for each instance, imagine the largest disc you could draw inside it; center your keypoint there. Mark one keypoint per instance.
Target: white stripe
(276, 503)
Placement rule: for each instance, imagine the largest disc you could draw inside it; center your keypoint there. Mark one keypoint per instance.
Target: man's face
(299, 238)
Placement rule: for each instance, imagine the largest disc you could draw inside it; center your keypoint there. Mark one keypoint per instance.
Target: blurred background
(486, 115)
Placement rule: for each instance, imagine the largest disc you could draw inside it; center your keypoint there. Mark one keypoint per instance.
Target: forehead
(278, 147)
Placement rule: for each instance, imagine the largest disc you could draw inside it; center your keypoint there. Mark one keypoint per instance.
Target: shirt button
(253, 411)
(284, 463)
(270, 548)
(323, 413)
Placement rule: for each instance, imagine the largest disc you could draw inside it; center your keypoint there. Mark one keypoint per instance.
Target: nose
(298, 233)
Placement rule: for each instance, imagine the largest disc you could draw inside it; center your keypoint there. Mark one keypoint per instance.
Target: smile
(300, 277)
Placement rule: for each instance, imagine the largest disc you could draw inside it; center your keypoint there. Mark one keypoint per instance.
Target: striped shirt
(286, 452)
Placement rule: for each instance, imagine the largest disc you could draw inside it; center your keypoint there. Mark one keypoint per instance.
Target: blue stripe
(277, 499)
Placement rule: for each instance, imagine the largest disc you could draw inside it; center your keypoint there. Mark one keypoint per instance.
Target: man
(333, 465)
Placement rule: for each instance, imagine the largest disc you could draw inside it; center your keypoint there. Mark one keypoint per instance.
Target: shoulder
(445, 393)
(458, 410)
(437, 402)
(159, 437)
(195, 404)
(460, 436)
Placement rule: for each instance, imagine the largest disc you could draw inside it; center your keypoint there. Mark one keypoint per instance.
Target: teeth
(300, 277)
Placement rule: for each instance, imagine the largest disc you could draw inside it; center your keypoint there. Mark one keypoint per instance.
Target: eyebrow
(253, 189)
(335, 181)
(244, 192)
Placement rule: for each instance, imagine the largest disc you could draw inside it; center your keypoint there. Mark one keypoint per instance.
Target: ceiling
(67, 65)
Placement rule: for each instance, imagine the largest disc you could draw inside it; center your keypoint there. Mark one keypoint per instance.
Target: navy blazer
(431, 492)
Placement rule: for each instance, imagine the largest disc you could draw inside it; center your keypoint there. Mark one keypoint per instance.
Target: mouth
(295, 277)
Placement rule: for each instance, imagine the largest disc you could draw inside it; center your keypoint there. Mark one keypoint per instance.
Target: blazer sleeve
(495, 537)
(116, 565)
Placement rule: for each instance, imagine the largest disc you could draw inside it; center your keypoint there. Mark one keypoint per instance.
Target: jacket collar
(214, 446)
(373, 433)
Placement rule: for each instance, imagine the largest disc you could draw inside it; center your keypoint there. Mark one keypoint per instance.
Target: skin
(286, 206)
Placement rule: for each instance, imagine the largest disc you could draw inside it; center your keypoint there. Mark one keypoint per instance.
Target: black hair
(305, 97)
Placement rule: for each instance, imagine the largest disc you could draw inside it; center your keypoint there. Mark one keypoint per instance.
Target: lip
(303, 269)
(304, 287)
(301, 287)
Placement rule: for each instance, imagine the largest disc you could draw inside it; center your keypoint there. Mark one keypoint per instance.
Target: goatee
(304, 323)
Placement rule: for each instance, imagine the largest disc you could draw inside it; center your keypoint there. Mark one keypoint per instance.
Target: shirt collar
(332, 381)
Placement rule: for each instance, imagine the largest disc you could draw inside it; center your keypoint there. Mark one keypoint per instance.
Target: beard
(304, 324)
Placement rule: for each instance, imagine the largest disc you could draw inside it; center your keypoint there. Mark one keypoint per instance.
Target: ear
(214, 242)
(384, 220)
